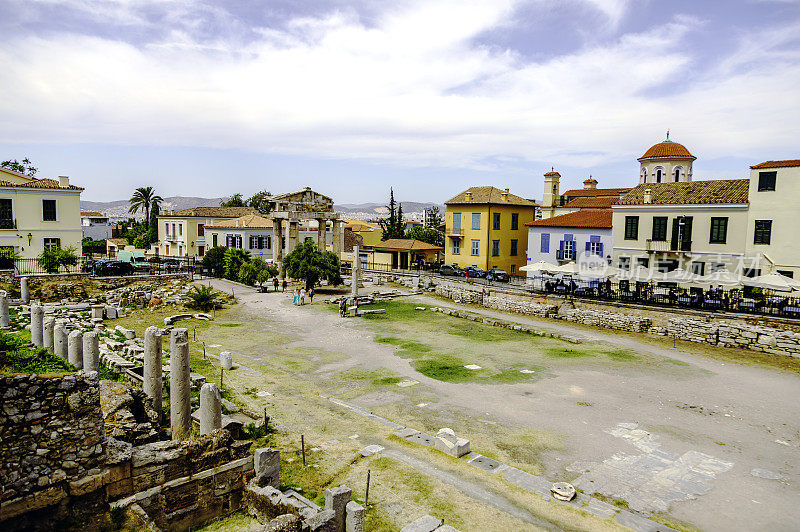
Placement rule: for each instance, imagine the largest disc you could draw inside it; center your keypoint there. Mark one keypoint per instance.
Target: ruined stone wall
(732, 334)
(609, 320)
(460, 292)
(519, 305)
(51, 430)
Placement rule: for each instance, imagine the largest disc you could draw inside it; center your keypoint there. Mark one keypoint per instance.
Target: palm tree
(144, 198)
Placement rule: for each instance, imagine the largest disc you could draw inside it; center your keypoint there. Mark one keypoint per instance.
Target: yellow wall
(27, 210)
(186, 239)
(486, 235)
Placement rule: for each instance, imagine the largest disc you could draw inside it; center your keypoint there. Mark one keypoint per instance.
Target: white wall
(579, 235)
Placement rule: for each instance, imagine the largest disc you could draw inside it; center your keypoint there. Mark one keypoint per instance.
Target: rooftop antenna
(668, 134)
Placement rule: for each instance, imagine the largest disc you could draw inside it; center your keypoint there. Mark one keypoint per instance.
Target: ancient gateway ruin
(290, 209)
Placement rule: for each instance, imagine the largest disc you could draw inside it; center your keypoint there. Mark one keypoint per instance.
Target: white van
(136, 258)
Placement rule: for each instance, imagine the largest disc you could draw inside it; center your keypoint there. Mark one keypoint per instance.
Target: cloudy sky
(206, 98)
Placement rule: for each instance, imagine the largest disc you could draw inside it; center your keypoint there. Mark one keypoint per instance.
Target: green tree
(256, 271)
(234, 258)
(203, 297)
(214, 261)
(234, 201)
(261, 201)
(144, 198)
(426, 234)
(51, 259)
(152, 227)
(308, 262)
(25, 167)
(435, 219)
(392, 225)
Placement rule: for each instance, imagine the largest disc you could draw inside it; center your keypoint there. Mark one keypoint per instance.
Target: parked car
(112, 267)
(136, 259)
(496, 274)
(447, 269)
(474, 272)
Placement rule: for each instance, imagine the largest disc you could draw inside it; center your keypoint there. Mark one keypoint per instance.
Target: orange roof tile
(600, 202)
(587, 219)
(777, 164)
(250, 221)
(488, 195)
(592, 192)
(39, 183)
(667, 149)
(722, 191)
(405, 244)
(93, 213)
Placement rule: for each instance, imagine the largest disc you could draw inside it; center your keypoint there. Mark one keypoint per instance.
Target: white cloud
(409, 89)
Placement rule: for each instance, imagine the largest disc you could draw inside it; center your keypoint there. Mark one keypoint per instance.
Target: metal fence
(103, 266)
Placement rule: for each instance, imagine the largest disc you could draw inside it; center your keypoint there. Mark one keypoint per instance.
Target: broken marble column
(75, 349)
(180, 405)
(91, 351)
(447, 442)
(153, 379)
(354, 520)
(267, 466)
(60, 340)
(4, 321)
(47, 332)
(37, 318)
(210, 408)
(226, 360)
(336, 499)
(24, 293)
(356, 271)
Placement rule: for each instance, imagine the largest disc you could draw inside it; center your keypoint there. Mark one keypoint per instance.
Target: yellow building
(403, 254)
(182, 233)
(38, 213)
(370, 232)
(485, 227)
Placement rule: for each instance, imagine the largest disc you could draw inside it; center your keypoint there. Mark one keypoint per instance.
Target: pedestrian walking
(342, 305)
(302, 296)
(311, 296)
(275, 283)
(285, 284)
(296, 297)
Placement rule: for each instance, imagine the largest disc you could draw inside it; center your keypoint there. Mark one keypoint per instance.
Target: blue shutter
(568, 237)
(588, 247)
(600, 251)
(594, 238)
(545, 247)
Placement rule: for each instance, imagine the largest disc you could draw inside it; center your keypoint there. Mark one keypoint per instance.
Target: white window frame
(44, 243)
(199, 226)
(476, 216)
(41, 204)
(456, 249)
(594, 248)
(475, 247)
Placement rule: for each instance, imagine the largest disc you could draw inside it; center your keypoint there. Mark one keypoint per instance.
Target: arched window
(643, 176)
(678, 173)
(659, 173)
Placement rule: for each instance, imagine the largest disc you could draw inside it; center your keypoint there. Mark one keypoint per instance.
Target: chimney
(504, 195)
(648, 198)
(468, 196)
(63, 181)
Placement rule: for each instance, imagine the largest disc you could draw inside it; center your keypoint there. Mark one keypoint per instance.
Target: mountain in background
(357, 211)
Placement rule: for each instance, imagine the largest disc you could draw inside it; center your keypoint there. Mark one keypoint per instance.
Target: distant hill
(360, 211)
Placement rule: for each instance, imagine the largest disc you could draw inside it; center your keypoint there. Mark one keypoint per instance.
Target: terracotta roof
(487, 195)
(590, 180)
(39, 183)
(405, 244)
(93, 213)
(552, 173)
(250, 221)
(778, 164)
(731, 191)
(118, 241)
(667, 149)
(600, 202)
(586, 192)
(588, 219)
(210, 212)
(362, 227)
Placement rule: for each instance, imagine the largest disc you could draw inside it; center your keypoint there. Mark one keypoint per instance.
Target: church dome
(667, 150)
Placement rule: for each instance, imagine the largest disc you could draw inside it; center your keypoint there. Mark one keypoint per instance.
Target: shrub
(51, 259)
(7, 257)
(311, 264)
(214, 261)
(256, 271)
(234, 258)
(203, 298)
(16, 358)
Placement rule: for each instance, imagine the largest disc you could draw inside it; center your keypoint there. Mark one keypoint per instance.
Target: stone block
(447, 442)
(336, 499)
(324, 521)
(267, 467)
(426, 523)
(354, 519)
(87, 484)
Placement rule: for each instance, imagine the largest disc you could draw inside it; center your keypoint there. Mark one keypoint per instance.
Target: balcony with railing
(657, 245)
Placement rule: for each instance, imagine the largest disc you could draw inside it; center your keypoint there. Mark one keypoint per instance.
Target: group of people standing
(299, 297)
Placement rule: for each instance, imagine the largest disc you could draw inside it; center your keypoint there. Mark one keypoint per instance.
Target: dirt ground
(561, 420)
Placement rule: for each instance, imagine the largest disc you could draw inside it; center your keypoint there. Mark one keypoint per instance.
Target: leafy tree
(203, 297)
(214, 261)
(93, 246)
(426, 234)
(392, 225)
(256, 271)
(152, 227)
(308, 262)
(142, 241)
(435, 219)
(234, 258)
(51, 259)
(144, 198)
(261, 201)
(234, 201)
(25, 167)
(7, 257)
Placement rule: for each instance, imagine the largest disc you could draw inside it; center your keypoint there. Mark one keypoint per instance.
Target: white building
(95, 225)
(582, 236)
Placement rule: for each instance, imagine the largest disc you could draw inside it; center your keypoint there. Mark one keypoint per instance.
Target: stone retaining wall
(609, 320)
(51, 429)
(732, 334)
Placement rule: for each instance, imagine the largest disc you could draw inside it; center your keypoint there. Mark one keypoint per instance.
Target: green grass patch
(620, 355)
(407, 348)
(445, 368)
(676, 362)
(229, 324)
(15, 357)
(566, 352)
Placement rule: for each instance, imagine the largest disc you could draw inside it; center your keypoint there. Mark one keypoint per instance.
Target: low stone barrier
(609, 320)
(737, 335)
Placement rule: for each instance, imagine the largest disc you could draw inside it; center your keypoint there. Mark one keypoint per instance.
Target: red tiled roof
(405, 244)
(592, 192)
(722, 191)
(488, 195)
(93, 213)
(39, 183)
(777, 164)
(588, 219)
(667, 149)
(601, 202)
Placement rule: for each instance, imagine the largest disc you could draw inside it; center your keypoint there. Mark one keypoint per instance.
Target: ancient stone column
(321, 233)
(337, 237)
(4, 321)
(356, 275)
(153, 379)
(354, 520)
(47, 332)
(75, 349)
(336, 499)
(179, 387)
(37, 318)
(60, 340)
(91, 351)
(226, 360)
(210, 408)
(291, 237)
(25, 294)
(277, 245)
